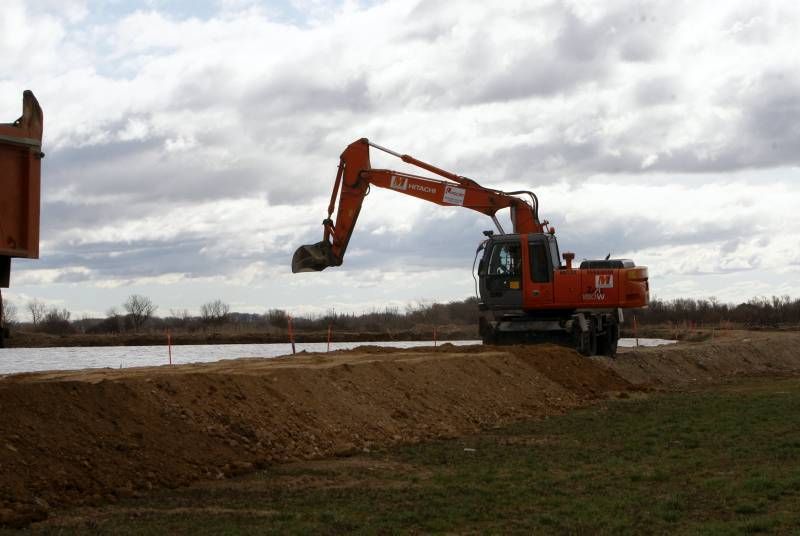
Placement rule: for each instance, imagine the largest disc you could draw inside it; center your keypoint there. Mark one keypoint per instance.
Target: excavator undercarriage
(589, 332)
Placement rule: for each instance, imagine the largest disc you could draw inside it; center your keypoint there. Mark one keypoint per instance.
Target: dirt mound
(90, 437)
(738, 353)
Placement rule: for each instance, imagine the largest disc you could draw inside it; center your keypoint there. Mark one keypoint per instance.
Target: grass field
(724, 460)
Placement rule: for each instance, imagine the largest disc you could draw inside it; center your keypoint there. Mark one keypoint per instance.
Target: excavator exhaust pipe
(312, 258)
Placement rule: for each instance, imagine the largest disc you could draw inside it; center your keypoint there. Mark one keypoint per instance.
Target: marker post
(329, 337)
(169, 345)
(291, 334)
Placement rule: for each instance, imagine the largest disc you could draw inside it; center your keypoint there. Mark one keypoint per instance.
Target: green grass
(722, 461)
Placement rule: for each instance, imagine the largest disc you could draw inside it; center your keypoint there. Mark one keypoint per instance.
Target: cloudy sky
(192, 145)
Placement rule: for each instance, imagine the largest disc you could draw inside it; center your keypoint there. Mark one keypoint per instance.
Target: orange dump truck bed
(20, 171)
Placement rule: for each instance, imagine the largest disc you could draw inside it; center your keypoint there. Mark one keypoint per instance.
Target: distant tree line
(138, 313)
(463, 312)
(776, 311)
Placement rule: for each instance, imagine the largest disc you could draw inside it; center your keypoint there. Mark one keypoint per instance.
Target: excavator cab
(517, 270)
(500, 272)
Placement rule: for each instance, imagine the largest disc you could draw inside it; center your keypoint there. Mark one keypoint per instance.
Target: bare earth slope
(743, 353)
(92, 436)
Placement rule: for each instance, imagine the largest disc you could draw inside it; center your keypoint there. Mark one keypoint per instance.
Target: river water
(14, 360)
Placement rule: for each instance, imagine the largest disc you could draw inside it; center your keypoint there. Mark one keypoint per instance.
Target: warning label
(454, 195)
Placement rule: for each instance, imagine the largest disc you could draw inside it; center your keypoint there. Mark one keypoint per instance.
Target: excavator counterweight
(526, 293)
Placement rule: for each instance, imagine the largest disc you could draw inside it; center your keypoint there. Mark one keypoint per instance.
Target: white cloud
(200, 151)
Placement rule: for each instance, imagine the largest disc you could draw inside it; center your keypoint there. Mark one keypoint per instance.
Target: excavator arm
(354, 178)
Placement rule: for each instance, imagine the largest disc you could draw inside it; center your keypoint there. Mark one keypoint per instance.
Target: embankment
(728, 355)
(90, 437)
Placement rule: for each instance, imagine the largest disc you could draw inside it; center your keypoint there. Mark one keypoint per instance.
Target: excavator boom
(354, 178)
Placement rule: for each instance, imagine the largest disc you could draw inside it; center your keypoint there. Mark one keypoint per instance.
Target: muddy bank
(91, 437)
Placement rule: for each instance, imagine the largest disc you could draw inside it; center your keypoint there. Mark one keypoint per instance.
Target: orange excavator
(20, 167)
(526, 293)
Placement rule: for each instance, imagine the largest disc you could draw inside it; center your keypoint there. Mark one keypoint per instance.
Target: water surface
(13, 360)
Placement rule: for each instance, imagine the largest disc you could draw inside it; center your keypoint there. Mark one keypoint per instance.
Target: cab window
(554, 253)
(505, 260)
(540, 262)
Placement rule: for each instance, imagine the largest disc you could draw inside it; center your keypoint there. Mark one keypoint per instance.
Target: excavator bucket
(312, 258)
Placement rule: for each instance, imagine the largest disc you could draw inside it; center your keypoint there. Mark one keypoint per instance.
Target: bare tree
(277, 317)
(37, 310)
(56, 321)
(113, 322)
(54, 314)
(9, 313)
(215, 312)
(180, 314)
(180, 317)
(140, 309)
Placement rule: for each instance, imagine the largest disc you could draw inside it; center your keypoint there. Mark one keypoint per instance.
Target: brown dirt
(728, 354)
(91, 437)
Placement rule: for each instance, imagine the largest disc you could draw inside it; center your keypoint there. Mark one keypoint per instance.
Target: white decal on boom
(421, 188)
(399, 183)
(454, 195)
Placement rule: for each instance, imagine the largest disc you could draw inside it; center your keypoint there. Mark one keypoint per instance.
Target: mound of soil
(90, 437)
(726, 355)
